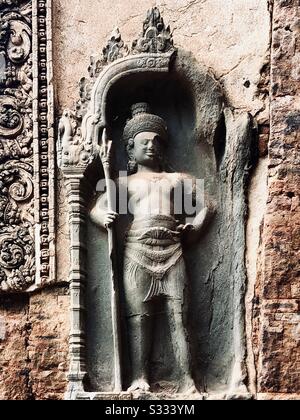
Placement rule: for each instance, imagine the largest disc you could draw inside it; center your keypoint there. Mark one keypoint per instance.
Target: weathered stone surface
(278, 291)
(257, 199)
(198, 27)
(279, 397)
(237, 175)
(62, 234)
(34, 345)
(14, 330)
(243, 69)
(34, 329)
(48, 343)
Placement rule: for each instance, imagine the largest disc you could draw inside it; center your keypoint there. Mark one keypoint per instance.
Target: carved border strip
(45, 142)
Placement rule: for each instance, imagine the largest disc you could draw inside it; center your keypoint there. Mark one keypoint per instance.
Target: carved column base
(75, 385)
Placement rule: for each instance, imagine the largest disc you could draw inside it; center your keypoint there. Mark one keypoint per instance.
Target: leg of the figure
(140, 342)
(180, 344)
(139, 327)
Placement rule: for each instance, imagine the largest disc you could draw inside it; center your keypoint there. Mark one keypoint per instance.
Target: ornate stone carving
(156, 37)
(115, 48)
(10, 2)
(79, 131)
(200, 127)
(24, 194)
(152, 50)
(16, 136)
(154, 270)
(152, 62)
(76, 144)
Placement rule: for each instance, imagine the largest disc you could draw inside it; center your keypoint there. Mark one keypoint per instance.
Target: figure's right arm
(100, 214)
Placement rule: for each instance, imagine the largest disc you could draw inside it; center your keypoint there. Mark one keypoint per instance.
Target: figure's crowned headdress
(143, 120)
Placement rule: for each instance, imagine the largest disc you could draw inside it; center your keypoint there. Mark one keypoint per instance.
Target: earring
(130, 143)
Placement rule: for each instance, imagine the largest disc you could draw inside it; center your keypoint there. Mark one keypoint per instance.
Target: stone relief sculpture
(153, 258)
(144, 98)
(26, 147)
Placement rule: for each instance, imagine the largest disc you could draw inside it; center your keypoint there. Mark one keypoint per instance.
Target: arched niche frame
(224, 138)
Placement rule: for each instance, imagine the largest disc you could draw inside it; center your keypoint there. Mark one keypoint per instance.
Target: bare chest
(152, 186)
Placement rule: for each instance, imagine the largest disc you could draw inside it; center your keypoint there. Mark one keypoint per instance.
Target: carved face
(147, 148)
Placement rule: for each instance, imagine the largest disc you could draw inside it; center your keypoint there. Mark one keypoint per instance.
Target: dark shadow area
(220, 141)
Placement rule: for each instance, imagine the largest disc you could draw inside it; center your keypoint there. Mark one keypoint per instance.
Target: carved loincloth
(156, 251)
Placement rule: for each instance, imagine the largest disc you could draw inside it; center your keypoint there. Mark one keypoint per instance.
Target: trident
(105, 156)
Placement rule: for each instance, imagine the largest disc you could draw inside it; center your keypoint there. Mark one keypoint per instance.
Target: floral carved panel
(26, 155)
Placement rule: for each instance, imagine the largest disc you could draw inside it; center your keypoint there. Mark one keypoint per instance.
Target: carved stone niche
(211, 141)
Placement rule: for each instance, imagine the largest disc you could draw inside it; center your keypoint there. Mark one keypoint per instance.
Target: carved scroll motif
(21, 198)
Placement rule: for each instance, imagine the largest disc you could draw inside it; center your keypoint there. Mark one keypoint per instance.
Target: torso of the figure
(153, 251)
(151, 193)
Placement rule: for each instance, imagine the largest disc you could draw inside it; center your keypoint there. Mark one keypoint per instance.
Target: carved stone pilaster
(77, 278)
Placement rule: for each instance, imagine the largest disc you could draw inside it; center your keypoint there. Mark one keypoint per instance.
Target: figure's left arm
(204, 209)
(204, 216)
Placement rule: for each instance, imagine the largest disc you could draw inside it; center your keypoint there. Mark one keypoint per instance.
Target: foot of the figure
(188, 387)
(139, 385)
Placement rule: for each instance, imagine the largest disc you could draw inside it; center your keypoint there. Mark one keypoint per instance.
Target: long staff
(105, 155)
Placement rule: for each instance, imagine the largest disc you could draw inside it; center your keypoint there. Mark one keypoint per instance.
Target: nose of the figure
(151, 146)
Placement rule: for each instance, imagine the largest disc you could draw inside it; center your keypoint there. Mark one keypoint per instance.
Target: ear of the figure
(130, 144)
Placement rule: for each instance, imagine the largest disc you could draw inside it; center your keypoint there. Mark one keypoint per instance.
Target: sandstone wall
(34, 334)
(252, 46)
(232, 40)
(278, 291)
